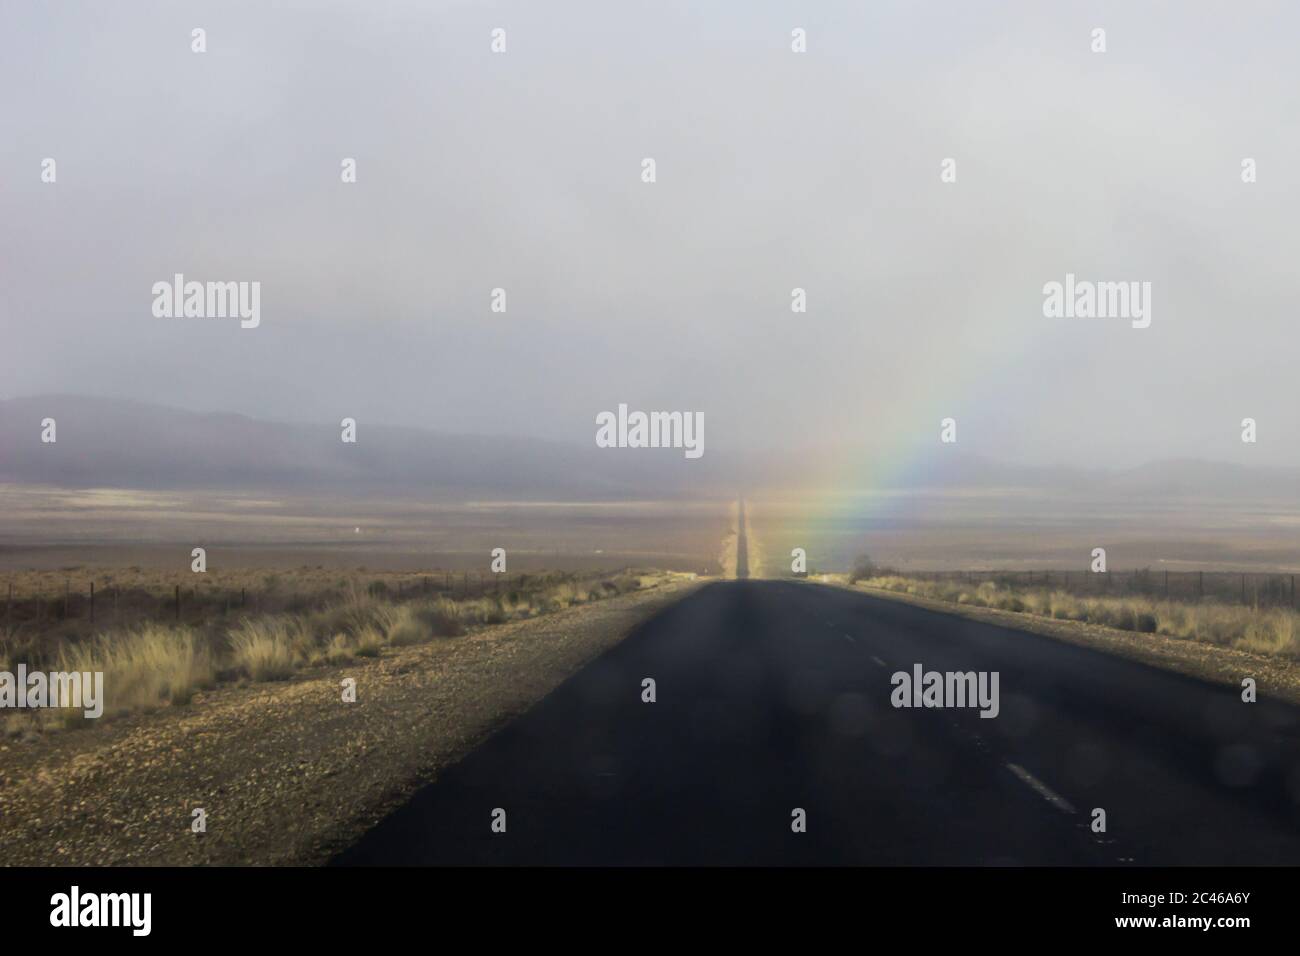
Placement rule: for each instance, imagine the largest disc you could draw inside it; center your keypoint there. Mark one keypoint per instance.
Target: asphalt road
(773, 696)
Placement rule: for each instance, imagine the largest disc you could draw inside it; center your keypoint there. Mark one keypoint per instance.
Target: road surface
(773, 696)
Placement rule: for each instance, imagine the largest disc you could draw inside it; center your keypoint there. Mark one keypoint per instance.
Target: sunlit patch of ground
(1022, 531)
(727, 553)
(753, 544)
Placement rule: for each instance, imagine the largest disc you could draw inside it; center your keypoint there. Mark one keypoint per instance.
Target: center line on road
(1040, 788)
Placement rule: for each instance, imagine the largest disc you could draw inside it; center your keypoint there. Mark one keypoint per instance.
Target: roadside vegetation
(158, 663)
(1274, 630)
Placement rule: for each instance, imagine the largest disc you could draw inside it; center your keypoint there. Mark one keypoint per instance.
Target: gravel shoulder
(288, 773)
(1277, 677)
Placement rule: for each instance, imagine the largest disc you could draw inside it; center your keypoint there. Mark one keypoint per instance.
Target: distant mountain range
(125, 444)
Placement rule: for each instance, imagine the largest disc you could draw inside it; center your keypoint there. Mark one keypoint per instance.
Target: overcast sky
(775, 170)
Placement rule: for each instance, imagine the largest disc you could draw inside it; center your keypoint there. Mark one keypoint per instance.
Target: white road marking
(877, 660)
(849, 639)
(1040, 788)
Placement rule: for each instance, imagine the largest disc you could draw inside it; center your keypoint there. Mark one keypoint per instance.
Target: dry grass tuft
(267, 648)
(145, 668)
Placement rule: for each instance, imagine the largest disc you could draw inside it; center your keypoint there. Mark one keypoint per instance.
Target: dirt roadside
(1274, 676)
(286, 772)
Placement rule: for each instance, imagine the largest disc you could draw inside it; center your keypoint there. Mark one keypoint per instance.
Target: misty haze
(648, 435)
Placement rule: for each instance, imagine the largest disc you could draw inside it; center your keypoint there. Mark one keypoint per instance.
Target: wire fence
(110, 605)
(1253, 588)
